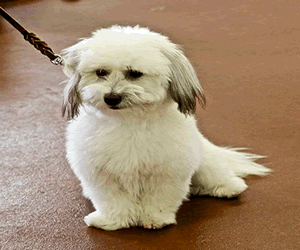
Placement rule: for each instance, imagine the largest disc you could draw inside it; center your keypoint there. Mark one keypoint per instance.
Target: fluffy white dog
(134, 142)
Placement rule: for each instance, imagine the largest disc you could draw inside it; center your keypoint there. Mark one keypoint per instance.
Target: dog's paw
(157, 221)
(97, 220)
(229, 189)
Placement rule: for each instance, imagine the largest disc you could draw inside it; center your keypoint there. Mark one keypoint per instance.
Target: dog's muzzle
(112, 99)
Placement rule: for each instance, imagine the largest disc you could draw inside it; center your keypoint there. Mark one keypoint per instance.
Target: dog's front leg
(115, 206)
(161, 200)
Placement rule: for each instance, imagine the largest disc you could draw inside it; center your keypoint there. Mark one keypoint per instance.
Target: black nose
(112, 99)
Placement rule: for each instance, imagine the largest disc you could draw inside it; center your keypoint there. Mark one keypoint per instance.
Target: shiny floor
(247, 55)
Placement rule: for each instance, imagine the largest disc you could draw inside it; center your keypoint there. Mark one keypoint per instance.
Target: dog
(132, 139)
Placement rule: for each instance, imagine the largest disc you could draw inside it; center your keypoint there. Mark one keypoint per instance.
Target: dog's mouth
(114, 107)
(119, 106)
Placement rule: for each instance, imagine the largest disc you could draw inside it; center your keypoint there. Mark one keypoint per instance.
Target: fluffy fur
(132, 140)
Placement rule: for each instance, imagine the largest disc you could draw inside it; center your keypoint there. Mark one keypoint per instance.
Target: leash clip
(58, 60)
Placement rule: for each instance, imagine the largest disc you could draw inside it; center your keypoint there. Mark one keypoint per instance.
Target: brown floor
(247, 55)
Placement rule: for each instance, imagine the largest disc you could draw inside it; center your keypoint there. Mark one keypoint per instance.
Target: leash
(33, 39)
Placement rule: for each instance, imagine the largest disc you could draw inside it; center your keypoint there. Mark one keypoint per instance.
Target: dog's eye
(133, 74)
(101, 73)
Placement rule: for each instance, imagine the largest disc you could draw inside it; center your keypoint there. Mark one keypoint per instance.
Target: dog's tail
(241, 163)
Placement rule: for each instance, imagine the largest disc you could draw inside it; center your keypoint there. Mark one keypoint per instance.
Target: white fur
(139, 162)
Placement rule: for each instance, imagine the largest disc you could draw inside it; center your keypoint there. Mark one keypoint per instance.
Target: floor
(247, 56)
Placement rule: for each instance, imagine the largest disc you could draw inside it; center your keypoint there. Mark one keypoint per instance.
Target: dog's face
(127, 69)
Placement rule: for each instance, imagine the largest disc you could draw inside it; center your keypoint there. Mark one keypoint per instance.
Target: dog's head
(125, 68)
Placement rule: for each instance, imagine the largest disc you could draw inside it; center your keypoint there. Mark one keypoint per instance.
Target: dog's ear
(185, 88)
(72, 56)
(72, 99)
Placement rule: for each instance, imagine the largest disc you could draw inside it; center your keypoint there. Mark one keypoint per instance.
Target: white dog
(134, 142)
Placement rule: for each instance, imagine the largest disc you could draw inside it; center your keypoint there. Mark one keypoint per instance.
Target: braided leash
(33, 39)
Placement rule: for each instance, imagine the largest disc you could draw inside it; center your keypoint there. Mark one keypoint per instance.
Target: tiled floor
(247, 55)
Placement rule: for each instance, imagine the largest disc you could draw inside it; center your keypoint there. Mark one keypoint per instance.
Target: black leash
(33, 39)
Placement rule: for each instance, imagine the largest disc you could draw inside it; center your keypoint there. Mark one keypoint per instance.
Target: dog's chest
(133, 149)
(126, 148)
(139, 147)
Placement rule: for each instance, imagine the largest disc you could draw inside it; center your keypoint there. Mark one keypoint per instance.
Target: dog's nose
(112, 99)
